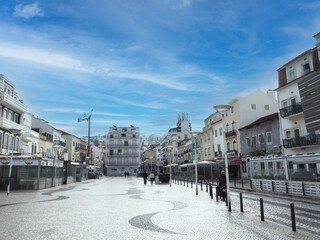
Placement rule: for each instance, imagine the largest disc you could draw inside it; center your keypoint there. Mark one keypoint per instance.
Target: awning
(205, 162)
(187, 164)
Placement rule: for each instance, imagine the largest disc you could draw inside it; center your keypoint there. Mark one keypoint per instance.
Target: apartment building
(299, 102)
(123, 150)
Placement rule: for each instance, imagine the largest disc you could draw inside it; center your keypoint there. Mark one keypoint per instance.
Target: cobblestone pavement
(123, 208)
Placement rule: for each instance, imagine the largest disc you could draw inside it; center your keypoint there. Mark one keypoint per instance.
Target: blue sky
(139, 62)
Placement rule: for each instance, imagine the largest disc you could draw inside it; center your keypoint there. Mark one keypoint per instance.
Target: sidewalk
(124, 208)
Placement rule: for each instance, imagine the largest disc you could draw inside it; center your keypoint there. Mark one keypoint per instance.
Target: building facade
(123, 150)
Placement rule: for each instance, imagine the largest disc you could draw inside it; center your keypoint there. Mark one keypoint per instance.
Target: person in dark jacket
(144, 175)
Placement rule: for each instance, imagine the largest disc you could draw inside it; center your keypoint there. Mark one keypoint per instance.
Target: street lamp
(56, 149)
(14, 132)
(195, 153)
(222, 109)
(170, 146)
(87, 117)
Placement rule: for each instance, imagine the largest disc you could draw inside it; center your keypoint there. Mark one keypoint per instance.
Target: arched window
(35, 148)
(32, 148)
(228, 147)
(234, 125)
(227, 127)
(234, 145)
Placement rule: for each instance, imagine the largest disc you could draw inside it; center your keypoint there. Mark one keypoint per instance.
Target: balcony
(232, 152)
(59, 143)
(231, 133)
(218, 154)
(8, 124)
(302, 141)
(291, 110)
(257, 150)
(12, 102)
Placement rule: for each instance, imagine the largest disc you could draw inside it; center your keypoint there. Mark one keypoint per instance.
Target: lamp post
(158, 169)
(170, 146)
(14, 132)
(222, 109)
(56, 149)
(87, 117)
(195, 161)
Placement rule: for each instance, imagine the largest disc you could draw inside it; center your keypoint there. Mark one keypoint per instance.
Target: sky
(141, 62)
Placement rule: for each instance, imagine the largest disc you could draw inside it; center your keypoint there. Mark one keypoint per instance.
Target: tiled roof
(299, 56)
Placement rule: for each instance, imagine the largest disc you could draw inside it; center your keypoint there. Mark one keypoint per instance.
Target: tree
(96, 142)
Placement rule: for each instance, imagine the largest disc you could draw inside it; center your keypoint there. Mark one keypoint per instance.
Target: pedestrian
(144, 175)
(151, 176)
(125, 174)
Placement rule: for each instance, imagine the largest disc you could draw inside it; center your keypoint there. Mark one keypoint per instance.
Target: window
(266, 107)
(209, 152)
(253, 106)
(284, 103)
(216, 133)
(219, 148)
(248, 140)
(292, 75)
(17, 144)
(186, 136)
(228, 147)
(0, 140)
(288, 134)
(205, 138)
(5, 113)
(111, 136)
(220, 131)
(269, 137)
(261, 139)
(126, 143)
(11, 142)
(133, 135)
(123, 135)
(124, 129)
(233, 125)
(72, 143)
(293, 101)
(227, 127)
(205, 152)
(305, 68)
(254, 141)
(234, 145)
(10, 115)
(232, 109)
(208, 137)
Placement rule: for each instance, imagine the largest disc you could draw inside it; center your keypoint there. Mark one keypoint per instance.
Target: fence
(291, 187)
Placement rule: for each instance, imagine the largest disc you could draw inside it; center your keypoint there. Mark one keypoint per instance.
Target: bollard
(211, 193)
(261, 186)
(303, 190)
(293, 217)
(187, 183)
(206, 187)
(184, 182)
(235, 183)
(217, 197)
(191, 185)
(272, 184)
(241, 203)
(201, 185)
(250, 184)
(229, 205)
(226, 199)
(242, 183)
(261, 209)
(287, 188)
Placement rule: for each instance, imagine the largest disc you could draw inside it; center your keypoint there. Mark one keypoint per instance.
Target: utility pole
(87, 117)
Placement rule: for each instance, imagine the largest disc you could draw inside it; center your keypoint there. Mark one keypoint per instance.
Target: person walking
(144, 175)
(151, 176)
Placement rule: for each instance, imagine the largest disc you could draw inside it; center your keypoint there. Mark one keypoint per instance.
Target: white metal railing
(291, 187)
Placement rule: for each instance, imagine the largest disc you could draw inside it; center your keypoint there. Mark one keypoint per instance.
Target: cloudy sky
(141, 62)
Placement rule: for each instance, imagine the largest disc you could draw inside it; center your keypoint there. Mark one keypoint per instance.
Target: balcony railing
(257, 150)
(123, 155)
(218, 154)
(231, 133)
(291, 110)
(59, 143)
(302, 141)
(122, 145)
(232, 152)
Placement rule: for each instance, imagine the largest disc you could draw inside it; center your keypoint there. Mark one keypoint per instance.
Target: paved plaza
(123, 208)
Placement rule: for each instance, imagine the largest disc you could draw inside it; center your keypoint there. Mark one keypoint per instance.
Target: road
(124, 208)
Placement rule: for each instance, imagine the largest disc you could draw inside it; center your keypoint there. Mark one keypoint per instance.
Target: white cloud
(28, 11)
(42, 56)
(79, 111)
(152, 105)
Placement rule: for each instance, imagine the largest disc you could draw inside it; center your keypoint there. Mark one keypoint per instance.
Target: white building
(123, 150)
(299, 103)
